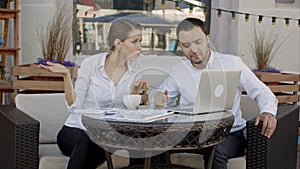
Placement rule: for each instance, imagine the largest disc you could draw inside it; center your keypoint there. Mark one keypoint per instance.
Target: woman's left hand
(55, 68)
(138, 85)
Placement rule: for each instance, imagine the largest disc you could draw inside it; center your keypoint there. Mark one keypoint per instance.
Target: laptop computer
(216, 92)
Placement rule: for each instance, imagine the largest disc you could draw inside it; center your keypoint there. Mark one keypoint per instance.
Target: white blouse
(94, 89)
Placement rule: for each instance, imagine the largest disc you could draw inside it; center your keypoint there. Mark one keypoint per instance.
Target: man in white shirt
(193, 40)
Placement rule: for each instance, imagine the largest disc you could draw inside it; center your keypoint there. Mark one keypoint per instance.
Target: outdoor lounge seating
(26, 148)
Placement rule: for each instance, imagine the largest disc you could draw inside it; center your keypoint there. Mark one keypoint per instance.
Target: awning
(108, 18)
(146, 20)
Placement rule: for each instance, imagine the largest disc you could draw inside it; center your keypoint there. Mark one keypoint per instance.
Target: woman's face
(131, 46)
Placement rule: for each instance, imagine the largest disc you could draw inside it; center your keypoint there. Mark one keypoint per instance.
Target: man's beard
(198, 61)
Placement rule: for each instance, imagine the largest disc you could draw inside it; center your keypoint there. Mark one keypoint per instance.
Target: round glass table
(167, 132)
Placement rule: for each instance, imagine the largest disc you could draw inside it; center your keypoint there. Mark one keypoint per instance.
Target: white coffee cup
(132, 101)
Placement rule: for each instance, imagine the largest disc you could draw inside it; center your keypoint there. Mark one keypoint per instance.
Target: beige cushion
(51, 157)
(49, 150)
(49, 109)
(249, 107)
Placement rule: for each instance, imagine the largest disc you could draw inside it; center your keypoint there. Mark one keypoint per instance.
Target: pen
(198, 113)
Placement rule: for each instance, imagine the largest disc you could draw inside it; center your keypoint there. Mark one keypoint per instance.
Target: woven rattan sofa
(28, 135)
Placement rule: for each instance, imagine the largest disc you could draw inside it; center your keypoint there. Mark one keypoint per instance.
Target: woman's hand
(55, 68)
(68, 83)
(138, 85)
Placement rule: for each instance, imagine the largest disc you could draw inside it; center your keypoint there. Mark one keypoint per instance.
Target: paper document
(144, 115)
(107, 111)
(138, 115)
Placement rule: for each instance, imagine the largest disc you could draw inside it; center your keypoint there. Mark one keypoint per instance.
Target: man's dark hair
(189, 23)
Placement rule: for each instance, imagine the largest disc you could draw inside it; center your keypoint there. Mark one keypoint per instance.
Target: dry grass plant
(264, 46)
(56, 38)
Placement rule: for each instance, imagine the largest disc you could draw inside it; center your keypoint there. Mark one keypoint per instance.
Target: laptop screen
(216, 91)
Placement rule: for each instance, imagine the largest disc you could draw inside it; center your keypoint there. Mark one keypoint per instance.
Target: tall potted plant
(264, 45)
(56, 38)
(56, 42)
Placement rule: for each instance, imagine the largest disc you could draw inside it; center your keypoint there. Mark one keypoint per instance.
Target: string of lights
(233, 13)
(220, 11)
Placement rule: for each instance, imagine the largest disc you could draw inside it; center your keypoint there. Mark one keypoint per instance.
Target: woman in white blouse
(102, 81)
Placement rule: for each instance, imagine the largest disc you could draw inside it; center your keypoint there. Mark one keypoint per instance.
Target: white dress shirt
(184, 79)
(94, 89)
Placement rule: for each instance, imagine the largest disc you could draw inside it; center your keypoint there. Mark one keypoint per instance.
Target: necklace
(115, 74)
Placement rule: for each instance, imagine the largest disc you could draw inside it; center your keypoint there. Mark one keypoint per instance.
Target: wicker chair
(19, 143)
(280, 151)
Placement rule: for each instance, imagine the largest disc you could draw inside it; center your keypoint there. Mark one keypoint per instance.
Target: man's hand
(269, 124)
(161, 98)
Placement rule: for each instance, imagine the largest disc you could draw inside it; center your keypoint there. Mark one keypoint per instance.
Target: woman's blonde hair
(120, 29)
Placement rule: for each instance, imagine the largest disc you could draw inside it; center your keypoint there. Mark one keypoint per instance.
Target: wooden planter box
(30, 78)
(284, 86)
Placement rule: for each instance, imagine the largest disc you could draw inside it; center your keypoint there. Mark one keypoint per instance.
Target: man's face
(194, 44)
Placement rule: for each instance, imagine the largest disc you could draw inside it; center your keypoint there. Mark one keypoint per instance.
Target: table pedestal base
(168, 165)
